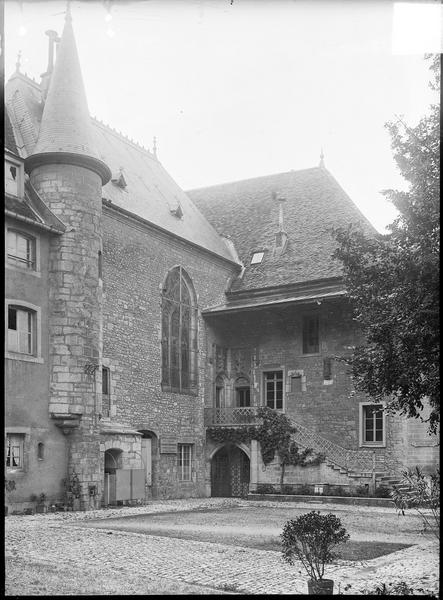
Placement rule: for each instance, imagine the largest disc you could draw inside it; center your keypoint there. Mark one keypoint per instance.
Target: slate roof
(150, 193)
(20, 207)
(9, 136)
(247, 211)
(32, 209)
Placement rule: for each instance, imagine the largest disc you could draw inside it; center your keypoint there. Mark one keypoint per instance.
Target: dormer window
(13, 179)
(257, 257)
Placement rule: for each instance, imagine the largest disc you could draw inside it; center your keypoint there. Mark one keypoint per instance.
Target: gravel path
(54, 554)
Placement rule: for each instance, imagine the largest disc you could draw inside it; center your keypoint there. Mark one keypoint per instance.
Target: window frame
(106, 412)
(260, 254)
(183, 467)
(304, 319)
(28, 233)
(362, 441)
(20, 176)
(35, 311)
(22, 446)
(173, 343)
(265, 372)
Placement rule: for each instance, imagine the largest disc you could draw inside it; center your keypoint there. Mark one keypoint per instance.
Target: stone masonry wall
(137, 259)
(273, 339)
(75, 307)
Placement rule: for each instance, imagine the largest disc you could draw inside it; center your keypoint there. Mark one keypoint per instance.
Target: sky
(234, 89)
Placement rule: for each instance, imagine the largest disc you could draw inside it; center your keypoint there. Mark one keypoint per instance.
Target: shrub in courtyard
(361, 490)
(305, 490)
(265, 488)
(310, 539)
(382, 492)
(421, 493)
(400, 588)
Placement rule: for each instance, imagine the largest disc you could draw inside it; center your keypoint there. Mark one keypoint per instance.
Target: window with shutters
(21, 330)
(23, 338)
(179, 333)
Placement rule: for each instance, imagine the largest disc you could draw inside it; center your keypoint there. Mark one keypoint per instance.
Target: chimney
(46, 77)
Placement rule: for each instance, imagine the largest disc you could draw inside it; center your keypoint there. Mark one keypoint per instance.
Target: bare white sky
(250, 88)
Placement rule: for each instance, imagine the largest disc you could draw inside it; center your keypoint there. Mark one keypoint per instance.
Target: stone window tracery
(179, 333)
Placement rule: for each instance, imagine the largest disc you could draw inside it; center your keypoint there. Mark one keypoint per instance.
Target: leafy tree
(393, 279)
(274, 434)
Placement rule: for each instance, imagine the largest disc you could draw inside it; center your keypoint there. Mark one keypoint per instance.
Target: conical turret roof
(65, 134)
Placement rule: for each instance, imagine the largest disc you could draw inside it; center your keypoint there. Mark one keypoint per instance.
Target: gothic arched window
(179, 333)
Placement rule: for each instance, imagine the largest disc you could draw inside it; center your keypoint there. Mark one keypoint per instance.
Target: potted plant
(310, 538)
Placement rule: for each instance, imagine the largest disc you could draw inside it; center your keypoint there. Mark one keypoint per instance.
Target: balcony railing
(231, 416)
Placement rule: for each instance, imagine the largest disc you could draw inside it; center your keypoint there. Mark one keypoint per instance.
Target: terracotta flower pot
(320, 586)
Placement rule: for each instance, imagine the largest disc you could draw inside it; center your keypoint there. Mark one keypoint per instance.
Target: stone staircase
(355, 464)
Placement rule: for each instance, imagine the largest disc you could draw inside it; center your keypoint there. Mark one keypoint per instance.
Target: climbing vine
(274, 435)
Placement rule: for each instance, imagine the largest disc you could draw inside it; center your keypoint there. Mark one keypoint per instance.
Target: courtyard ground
(205, 546)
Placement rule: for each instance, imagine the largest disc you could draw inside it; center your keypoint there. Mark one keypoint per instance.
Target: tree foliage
(393, 279)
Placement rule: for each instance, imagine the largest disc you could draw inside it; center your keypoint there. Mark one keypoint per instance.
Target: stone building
(140, 317)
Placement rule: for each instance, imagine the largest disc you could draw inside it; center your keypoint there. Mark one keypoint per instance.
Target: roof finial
(322, 156)
(154, 146)
(18, 63)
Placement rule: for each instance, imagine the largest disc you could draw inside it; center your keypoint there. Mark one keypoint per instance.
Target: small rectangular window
(273, 381)
(257, 257)
(373, 424)
(106, 391)
(185, 462)
(21, 327)
(21, 250)
(14, 450)
(310, 335)
(327, 369)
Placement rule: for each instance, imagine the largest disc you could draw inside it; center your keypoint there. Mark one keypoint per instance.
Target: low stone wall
(353, 500)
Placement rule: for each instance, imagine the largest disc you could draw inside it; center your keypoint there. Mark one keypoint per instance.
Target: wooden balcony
(230, 416)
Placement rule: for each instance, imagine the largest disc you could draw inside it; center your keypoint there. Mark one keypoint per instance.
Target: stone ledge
(353, 500)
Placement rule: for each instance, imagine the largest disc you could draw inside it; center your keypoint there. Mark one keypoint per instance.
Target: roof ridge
(204, 187)
(121, 135)
(27, 78)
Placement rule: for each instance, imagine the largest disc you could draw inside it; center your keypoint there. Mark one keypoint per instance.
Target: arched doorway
(230, 471)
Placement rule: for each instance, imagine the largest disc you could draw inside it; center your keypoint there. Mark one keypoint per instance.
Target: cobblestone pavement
(100, 561)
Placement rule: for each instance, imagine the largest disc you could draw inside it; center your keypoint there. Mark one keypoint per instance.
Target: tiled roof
(9, 136)
(150, 193)
(20, 207)
(32, 208)
(248, 211)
